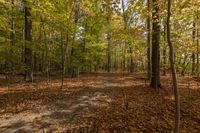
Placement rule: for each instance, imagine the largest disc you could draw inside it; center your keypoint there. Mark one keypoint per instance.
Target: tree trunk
(155, 79)
(164, 53)
(62, 60)
(124, 59)
(197, 65)
(149, 42)
(12, 37)
(28, 40)
(131, 60)
(67, 52)
(193, 54)
(35, 64)
(116, 61)
(76, 18)
(108, 53)
(172, 64)
(184, 65)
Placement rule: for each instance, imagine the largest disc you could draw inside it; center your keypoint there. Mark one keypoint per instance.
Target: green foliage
(84, 26)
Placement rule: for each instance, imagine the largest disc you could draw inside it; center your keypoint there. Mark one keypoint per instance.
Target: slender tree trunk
(193, 54)
(12, 37)
(149, 41)
(184, 65)
(35, 64)
(62, 60)
(67, 52)
(46, 59)
(164, 53)
(179, 59)
(172, 63)
(84, 45)
(28, 39)
(124, 58)
(197, 65)
(45, 56)
(131, 60)
(39, 50)
(108, 53)
(71, 57)
(116, 61)
(42, 61)
(155, 79)
(76, 18)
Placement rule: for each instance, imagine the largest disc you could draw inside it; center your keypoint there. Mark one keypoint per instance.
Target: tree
(197, 55)
(76, 19)
(108, 10)
(149, 41)
(155, 79)
(173, 70)
(62, 59)
(12, 35)
(193, 54)
(28, 40)
(164, 52)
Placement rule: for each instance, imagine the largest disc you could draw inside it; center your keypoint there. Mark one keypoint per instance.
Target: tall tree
(164, 53)
(173, 70)
(108, 50)
(126, 27)
(12, 35)
(28, 40)
(76, 19)
(197, 55)
(62, 59)
(193, 53)
(155, 59)
(149, 41)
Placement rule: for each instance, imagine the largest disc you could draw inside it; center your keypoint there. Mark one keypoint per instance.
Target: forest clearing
(99, 66)
(98, 103)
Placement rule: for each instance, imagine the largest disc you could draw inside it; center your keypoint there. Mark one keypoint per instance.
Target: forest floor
(94, 103)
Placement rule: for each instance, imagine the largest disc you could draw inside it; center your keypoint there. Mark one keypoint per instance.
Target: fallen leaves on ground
(100, 103)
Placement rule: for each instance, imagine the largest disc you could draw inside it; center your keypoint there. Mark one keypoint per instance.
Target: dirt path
(108, 102)
(69, 112)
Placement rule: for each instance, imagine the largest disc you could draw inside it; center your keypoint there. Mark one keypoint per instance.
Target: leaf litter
(98, 103)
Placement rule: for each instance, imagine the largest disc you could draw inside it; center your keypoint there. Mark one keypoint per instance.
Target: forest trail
(72, 109)
(94, 102)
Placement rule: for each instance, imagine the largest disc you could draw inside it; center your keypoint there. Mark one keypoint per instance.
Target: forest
(99, 66)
